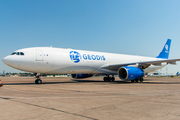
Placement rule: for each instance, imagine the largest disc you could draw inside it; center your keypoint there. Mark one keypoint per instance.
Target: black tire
(36, 81)
(141, 79)
(112, 79)
(108, 79)
(39, 81)
(105, 79)
(132, 81)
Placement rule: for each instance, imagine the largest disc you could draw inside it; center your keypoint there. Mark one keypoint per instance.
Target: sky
(135, 27)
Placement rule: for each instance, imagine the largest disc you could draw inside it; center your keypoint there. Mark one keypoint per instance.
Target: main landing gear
(38, 80)
(108, 79)
(138, 80)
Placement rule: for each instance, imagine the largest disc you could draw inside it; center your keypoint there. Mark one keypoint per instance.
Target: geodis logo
(167, 48)
(76, 57)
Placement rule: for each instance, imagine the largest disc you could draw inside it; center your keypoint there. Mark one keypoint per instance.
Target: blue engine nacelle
(81, 75)
(130, 73)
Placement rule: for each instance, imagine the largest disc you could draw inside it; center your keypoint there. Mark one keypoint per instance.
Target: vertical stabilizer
(164, 54)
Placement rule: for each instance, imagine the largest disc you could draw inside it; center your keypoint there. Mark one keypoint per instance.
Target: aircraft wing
(141, 65)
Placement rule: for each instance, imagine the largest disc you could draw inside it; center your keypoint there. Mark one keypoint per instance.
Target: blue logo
(75, 56)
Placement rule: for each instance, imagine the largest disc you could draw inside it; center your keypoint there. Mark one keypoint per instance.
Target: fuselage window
(13, 53)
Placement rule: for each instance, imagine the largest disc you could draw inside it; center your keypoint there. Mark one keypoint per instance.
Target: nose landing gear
(38, 80)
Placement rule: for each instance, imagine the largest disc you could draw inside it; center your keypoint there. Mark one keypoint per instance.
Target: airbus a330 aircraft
(83, 64)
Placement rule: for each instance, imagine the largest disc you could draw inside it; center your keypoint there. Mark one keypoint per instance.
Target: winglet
(164, 54)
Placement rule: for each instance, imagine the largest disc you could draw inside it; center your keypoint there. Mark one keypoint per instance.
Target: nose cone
(10, 61)
(14, 61)
(5, 60)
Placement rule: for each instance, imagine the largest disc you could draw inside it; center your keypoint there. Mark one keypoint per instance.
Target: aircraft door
(39, 55)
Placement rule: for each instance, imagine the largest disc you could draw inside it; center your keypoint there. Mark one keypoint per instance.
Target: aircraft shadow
(128, 82)
(72, 81)
(75, 81)
(18, 83)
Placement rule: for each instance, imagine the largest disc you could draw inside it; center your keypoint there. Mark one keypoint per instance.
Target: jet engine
(130, 73)
(81, 75)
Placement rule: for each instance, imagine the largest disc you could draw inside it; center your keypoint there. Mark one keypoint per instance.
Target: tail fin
(164, 54)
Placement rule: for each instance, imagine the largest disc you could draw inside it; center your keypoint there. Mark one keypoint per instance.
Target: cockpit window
(13, 53)
(21, 53)
(17, 53)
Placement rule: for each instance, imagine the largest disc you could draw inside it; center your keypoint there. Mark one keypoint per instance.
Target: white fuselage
(48, 60)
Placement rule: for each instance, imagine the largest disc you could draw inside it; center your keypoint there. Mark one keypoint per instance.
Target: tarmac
(89, 99)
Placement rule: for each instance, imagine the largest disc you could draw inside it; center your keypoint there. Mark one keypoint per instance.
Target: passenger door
(39, 55)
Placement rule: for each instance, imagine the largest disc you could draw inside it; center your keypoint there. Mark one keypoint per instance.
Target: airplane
(84, 64)
(177, 74)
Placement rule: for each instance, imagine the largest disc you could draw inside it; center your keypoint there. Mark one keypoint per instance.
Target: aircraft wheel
(141, 79)
(105, 79)
(38, 81)
(112, 79)
(136, 80)
(108, 79)
(132, 81)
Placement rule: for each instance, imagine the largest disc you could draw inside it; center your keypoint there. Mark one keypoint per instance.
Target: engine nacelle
(130, 73)
(81, 75)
